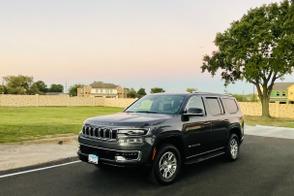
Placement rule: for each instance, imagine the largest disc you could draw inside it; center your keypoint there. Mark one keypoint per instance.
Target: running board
(204, 158)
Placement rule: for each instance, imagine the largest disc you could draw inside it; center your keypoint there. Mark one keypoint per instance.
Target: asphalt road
(266, 167)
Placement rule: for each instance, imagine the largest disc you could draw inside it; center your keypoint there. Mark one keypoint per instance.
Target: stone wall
(276, 110)
(61, 100)
(248, 108)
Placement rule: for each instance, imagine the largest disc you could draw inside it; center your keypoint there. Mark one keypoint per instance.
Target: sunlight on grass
(278, 122)
(26, 123)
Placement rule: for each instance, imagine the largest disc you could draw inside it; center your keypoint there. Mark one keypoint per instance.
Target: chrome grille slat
(101, 133)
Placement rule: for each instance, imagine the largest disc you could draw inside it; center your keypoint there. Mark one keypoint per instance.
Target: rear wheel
(167, 164)
(232, 150)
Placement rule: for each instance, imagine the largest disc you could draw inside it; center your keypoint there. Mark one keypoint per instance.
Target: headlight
(132, 132)
(131, 136)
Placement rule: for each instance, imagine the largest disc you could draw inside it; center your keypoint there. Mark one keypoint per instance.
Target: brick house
(101, 89)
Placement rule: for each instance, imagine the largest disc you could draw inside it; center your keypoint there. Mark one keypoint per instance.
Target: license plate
(93, 158)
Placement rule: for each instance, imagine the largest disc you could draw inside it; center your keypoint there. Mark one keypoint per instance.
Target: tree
(131, 93)
(38, 87)
(73, 90)
(3, 89)
(18, 84)
(246, 98)
(141, 93)
(56, 88)
(240, 98)
(258, 48)
(191, 90)
(157, 90)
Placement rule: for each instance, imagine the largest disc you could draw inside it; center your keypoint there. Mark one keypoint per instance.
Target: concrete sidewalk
(18, 155)
(269, 131)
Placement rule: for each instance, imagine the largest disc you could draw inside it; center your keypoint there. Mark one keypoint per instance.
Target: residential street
(266, 167)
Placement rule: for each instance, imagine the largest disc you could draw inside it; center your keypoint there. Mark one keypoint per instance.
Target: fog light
(120, 158)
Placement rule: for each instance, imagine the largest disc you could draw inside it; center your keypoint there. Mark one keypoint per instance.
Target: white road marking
(38, 169)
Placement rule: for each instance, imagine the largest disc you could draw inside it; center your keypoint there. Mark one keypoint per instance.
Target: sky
(133, 43)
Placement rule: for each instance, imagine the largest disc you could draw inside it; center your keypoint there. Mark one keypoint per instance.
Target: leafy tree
(56, 88)
(191, 90)
(38, 87)
(18, 84)
(141, 93)
(73, 90)
(3, 89)
(157, 90)
(240, 98)
(258, 48)
(131, 93)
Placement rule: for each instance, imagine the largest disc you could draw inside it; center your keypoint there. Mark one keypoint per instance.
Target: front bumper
(112, 153)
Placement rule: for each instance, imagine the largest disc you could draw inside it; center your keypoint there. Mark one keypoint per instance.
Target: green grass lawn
(278, 122)
(28, 123)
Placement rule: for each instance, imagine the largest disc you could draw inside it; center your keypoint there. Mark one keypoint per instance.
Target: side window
(230, 105)
(214, 106)
(195, 102)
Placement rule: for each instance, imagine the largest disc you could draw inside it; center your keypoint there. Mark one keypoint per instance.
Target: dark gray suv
(163, 132)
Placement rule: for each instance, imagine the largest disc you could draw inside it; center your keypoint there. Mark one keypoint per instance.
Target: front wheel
(232, 150)
(167, 164)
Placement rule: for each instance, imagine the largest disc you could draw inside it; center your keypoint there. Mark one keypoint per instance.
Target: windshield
(163, 104)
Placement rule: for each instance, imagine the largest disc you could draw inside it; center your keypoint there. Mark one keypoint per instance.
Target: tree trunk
(265, 107)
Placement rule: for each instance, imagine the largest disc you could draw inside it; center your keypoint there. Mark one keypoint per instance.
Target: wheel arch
(236, 130)
(174, 138)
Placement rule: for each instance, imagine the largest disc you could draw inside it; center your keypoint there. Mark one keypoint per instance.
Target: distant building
(101, 89)
(283, 93)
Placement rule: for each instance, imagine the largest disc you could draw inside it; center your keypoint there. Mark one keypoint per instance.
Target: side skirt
(205, 155)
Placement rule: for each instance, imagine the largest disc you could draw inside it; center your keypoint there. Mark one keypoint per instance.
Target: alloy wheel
(168, 165)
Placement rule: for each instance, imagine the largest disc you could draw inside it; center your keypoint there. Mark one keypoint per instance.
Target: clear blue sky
(132, 43)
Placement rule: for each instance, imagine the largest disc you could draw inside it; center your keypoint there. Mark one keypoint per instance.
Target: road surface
(266, 167)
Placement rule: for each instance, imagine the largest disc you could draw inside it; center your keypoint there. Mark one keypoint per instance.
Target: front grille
(103, 133)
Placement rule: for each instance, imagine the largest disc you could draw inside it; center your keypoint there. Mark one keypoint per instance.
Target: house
(283, 93)
(101, 89)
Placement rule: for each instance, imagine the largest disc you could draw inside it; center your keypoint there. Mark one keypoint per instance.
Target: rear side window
(214, 106)
(230, 105)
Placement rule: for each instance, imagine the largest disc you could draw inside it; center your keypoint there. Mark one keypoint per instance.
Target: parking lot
(266, 167)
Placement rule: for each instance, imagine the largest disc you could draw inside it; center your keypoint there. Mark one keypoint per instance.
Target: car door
(219, 122)
(196, 128)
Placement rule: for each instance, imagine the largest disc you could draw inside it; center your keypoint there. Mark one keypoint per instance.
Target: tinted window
(230, 105)
(214, 106)
(195, 102)
(166, 104)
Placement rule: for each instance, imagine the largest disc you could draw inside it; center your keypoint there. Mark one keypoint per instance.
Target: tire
(233, 148)
(167, 164)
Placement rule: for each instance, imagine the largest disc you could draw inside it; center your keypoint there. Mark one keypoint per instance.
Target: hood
(129, 119)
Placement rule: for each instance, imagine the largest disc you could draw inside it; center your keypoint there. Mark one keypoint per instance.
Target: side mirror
(194, 112)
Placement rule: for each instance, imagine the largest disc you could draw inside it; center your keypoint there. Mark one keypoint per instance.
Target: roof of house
(282, 85)
(99, 84)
